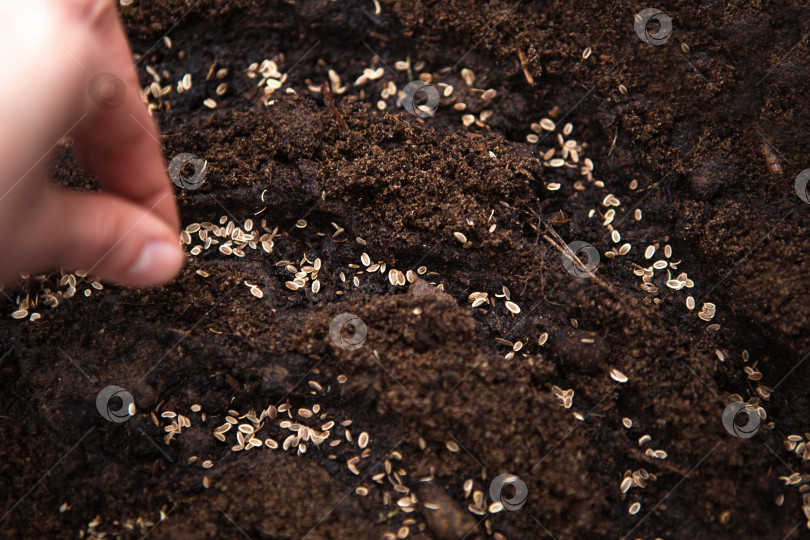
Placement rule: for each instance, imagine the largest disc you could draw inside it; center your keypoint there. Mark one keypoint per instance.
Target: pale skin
(127, 233)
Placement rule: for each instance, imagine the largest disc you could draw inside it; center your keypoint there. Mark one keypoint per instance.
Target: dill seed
(626, 422)
(547, 124)
(644, 439)
(649, 252)
(618, 376)
(634, 508)
(452, 446)
(468, 75)
(511, 306)
(586, 53)
(362, 440)
(210, 103)
(460, 237)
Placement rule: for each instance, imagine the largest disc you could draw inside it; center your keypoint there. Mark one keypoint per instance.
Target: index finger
(118, 142)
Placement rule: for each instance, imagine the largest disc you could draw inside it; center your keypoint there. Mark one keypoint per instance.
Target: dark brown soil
(714, 133)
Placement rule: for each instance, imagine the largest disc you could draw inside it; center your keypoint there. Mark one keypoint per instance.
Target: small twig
(523, 65)
(343, 128)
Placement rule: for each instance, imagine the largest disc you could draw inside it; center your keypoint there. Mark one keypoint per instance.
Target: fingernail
(158, 262)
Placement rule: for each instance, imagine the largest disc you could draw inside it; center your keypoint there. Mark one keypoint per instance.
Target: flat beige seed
(649, 252)
(460, 237)
(452, 446)
(618, 376)
(362, 440)
(547, 124)
(511, 306)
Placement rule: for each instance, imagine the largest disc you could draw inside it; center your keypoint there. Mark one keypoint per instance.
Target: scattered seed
(618, 376)
(511, 306)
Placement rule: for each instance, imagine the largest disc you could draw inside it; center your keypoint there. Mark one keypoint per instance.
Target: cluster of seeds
(268, 74)
(478, 299)
(229, 236)
(799, 445)
(633, 479)
(649, 452)
(802, 483)
(294, 434)
(49, 291)
(566, 397)
(478, 505)
(307, 272)
(118, 528)
(637, 479)
(763, 392)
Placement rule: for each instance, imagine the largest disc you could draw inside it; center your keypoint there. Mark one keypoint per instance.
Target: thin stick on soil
(329, 100)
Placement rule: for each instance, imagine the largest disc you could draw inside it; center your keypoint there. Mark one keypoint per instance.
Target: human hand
(55, 55)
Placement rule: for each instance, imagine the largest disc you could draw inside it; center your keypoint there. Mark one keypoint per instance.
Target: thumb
(104, 235)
